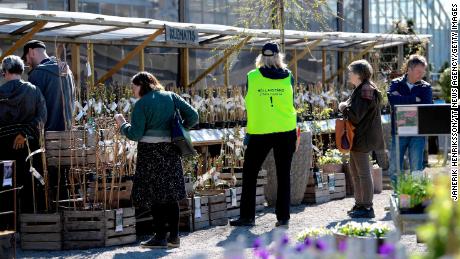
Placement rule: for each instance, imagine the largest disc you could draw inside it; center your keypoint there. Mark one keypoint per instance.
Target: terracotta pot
(332, 168)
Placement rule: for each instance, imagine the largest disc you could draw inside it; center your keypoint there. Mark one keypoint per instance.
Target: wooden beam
(211, 39)
(129, 56)
(24, 28)
(24, 39)
(356, 57)
(308, 48)
(141, 60)
(95, 32)
(62, 26)
(10, 21)
(227, 53)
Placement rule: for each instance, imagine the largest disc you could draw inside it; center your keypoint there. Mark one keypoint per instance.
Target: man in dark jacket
(409, 89)
(55, 80)
(22, 113)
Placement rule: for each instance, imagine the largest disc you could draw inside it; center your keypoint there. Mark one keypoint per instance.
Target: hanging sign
(181, 35)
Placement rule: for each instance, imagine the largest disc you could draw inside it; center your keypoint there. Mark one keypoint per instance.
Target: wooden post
(38, 26)
(76, 68)
(184, 67)
(226, 74)
(141, 60)
(400, 57)
(227, 53)
(294, 71)
(129, 56)
(323, 80)
(90, 56)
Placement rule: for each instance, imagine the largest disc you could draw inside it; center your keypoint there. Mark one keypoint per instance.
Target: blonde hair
(276, 61)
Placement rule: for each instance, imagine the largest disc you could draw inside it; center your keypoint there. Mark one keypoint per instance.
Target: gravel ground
(212, 241)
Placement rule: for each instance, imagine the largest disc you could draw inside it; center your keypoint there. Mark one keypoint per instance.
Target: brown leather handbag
(344, 134)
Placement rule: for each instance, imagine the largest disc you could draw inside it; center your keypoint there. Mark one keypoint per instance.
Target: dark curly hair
(147, 82)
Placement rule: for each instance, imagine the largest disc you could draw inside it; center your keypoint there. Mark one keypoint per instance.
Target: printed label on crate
(119, 220)
(233, 193)
(331, 178)
(319, 181)
(197, 207)
(7, 173)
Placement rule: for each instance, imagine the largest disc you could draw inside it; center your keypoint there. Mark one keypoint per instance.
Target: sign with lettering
(181, 35)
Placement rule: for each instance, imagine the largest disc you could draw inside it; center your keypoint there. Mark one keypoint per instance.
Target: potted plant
(331, 162)
(362, 231)
(412, 193)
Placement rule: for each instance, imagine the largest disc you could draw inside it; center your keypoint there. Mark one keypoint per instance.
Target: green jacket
(152, 116)
(363, 110)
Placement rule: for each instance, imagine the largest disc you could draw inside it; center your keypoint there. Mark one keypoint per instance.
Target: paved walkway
(212, 241)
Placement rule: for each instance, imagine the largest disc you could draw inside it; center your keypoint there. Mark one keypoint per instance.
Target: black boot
(282, 223)
(173, 242)
(355, 207)
(363, 213)
(242, 222)
(155, 242)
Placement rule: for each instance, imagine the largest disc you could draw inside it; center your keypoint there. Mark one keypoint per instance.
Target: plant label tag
(119, 220)
(7, 173)
(331, 182)
(197, 207)
(233, 193)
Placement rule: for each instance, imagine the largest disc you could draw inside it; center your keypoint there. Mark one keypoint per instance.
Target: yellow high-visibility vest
(269, 104)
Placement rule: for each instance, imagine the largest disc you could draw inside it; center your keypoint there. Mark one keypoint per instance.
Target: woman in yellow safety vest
(271, 123)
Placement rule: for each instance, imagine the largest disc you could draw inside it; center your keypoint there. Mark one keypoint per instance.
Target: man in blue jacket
(55, 81)
(409, 89)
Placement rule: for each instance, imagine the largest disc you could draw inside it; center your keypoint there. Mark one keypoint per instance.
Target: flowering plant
(355, 229)
(313, 233)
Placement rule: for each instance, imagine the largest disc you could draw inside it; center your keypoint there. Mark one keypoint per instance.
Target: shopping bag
(179, 135)
(344, 135)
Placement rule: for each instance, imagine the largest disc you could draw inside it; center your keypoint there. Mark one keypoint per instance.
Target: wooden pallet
(66, 148)
(406, 223)
(314, 193)
(339, 190)
(84, 229)
(41, 231)
(124, 236)
(200, 221)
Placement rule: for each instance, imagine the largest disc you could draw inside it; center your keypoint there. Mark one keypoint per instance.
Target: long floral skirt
(159, 176)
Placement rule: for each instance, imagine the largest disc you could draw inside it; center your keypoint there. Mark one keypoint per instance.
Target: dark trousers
(259, 146)
(166, 219)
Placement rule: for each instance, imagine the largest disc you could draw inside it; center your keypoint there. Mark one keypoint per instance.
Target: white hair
(276, 61)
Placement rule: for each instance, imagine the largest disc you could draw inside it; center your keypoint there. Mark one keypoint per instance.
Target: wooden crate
(65, 148)
(84, 229)
(339, 190)
(200, 221)
(314, 193)
(234, 210)
(121, 192)
(186, 214)
(41, 231)
(217, 207)
(127, 235)
(261, 178)
(406, 223)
